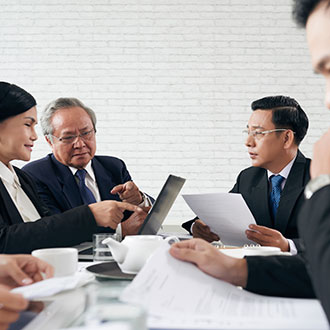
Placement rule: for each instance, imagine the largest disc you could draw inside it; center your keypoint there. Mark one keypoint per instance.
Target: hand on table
(128, 192)
(267, 237)
(20, 269)
(211, 261)
(201, 230)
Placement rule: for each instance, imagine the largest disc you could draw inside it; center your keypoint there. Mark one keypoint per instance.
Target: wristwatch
(316, 184)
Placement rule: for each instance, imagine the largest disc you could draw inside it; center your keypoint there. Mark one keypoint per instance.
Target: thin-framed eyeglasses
(259, 134)
(86, 136)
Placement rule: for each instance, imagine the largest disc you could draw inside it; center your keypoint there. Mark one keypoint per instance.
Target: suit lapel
(13, 214)
(67, 183)
(104, 181)
(259, 198)
(292, 189)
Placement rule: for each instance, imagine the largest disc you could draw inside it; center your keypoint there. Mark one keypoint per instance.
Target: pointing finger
(127, 206)
(118, 189)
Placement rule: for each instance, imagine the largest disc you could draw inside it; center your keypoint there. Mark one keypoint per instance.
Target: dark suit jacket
(67, 229)
(284, 276)
(58, 188)
(314, 228)
(252, 183)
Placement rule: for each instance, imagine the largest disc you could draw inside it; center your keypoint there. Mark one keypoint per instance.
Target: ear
(288, 139)
(49, 141)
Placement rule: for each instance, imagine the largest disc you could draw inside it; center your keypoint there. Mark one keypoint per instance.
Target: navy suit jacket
(58, 188)
(67, 229)
(252, 183)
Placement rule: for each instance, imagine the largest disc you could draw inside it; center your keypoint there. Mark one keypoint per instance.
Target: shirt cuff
(119, 232)
(293, 248)
(191, 228)
(146, 202)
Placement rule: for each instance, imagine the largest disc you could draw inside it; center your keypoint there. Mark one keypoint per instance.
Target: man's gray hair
(58, 104)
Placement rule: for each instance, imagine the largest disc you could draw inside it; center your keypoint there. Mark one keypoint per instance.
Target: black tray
(109, 270)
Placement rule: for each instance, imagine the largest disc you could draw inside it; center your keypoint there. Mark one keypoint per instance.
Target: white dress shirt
(285, 173)
(22, 202)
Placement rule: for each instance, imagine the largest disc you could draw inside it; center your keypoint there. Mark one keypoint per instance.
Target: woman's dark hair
(303, 8)
(287, 113)
(14, 100)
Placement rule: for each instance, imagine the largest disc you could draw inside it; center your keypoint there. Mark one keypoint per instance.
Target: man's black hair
(287, 113)
(303, 8)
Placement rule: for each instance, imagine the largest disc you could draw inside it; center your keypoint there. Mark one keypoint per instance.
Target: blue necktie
(275, 194)
(85, 193)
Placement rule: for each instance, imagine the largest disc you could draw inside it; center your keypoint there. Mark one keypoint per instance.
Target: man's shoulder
(108, 161)
(37, 164)
(252, 171)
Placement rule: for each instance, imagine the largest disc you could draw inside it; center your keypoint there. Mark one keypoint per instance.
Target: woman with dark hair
(25, 223)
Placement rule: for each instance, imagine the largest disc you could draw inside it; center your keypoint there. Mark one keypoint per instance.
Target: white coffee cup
(64, 260)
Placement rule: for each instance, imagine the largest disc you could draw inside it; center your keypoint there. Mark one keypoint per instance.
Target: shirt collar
(88, 168)
(286, 170)
(8, 174)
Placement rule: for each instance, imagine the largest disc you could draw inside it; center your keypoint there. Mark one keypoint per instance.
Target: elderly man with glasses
(273, 186)
(72, 175)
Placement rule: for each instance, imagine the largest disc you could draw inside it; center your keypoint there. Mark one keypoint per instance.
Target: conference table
(76, 308)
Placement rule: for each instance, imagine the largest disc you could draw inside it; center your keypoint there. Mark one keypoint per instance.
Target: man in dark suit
(314, 217)
(314, 222)
(25, 222)
(69, 127)
(275, 129)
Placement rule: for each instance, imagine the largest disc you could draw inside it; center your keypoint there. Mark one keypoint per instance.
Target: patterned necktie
(275, 194)
(85, 193)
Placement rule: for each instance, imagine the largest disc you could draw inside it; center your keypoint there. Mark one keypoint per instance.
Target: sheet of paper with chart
(177, 295)
(226, 214)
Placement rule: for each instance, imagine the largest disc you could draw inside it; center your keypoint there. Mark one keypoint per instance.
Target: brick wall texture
(171, 81)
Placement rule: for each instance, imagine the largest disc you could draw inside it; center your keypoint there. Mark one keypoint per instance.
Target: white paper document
(51, 286)
(177, 295)
(226, 214)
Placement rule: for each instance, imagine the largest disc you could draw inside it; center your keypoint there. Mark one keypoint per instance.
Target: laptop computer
(162, 205)
(155, 217)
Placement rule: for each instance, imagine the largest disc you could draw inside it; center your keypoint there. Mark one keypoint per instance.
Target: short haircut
(58, 104)
(287, 113)
(302, 9)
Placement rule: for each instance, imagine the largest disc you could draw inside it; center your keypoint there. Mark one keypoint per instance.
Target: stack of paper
(177, 295)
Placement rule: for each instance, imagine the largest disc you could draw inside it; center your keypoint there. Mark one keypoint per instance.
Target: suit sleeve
(314, 229)
(69, 228)
(284, 276)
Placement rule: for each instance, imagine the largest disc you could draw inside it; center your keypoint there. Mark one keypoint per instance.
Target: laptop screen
(162, 205)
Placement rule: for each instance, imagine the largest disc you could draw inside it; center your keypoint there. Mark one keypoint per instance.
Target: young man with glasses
(273, 186)
(72, 175)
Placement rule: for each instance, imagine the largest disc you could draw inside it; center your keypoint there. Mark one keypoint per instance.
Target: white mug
(64, 260)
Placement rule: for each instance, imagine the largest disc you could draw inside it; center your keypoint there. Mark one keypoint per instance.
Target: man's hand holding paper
(226, 215)
(267, 237)
(201, 230)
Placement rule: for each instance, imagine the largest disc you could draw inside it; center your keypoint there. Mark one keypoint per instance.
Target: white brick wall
(171, 81)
